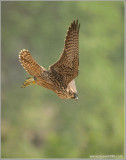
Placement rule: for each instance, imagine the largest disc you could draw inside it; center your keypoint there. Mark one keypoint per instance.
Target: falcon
(60, 77)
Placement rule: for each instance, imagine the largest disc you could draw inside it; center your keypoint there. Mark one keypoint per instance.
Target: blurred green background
(35, 122)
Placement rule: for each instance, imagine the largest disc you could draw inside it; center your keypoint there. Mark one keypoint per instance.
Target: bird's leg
(28, 82)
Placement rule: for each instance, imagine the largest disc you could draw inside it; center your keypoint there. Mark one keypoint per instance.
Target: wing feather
(68, 63)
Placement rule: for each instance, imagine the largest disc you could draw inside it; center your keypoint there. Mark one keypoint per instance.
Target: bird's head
(69, 94)
(72, 91)
(73, 95)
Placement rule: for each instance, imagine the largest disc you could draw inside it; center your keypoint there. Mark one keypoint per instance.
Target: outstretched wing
(67, 65)
(29, 64)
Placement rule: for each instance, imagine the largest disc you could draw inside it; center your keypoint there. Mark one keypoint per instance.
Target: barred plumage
(60, 76)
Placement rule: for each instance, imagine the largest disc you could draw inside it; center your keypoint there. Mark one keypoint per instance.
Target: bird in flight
(60, 75)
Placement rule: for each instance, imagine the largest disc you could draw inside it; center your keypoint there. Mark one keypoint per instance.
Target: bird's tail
(28, 82)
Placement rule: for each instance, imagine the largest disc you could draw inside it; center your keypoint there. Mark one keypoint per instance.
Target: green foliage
(35, 122)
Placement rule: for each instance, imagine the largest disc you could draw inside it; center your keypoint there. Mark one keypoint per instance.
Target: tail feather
(29, 64)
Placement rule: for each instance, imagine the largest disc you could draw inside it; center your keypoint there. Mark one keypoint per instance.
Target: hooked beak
(75, 96)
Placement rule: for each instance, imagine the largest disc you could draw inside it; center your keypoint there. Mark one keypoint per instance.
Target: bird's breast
(44, 82)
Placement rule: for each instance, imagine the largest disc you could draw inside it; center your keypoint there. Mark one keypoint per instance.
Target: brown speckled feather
(68, 63)
(29, 64)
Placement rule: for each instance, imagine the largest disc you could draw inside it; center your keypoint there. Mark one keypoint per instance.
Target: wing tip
(75, 25)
